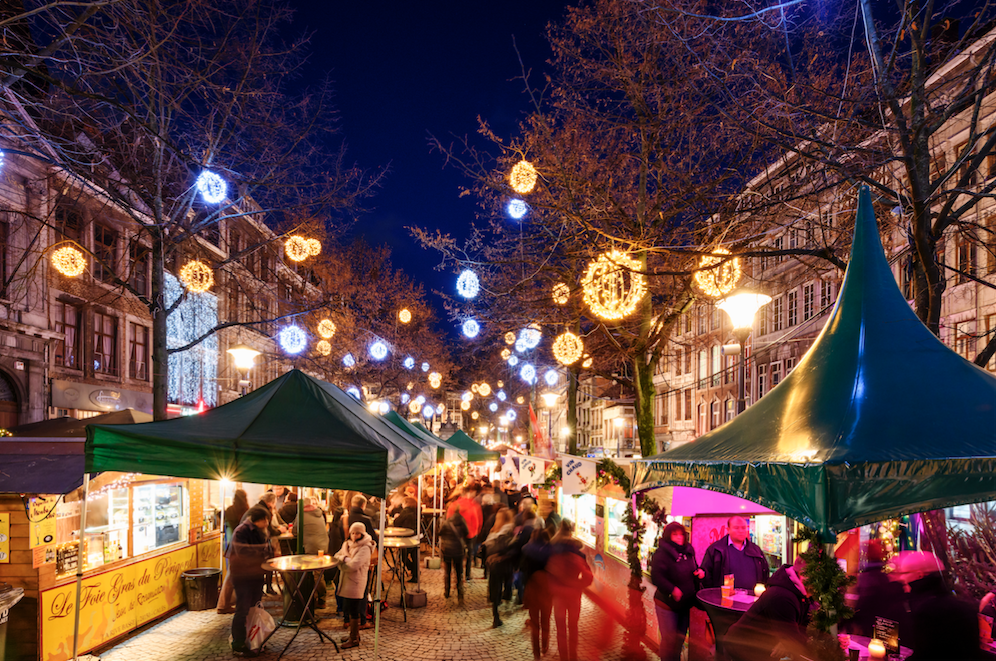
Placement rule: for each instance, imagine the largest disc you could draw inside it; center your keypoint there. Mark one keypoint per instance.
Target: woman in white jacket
(354, 558)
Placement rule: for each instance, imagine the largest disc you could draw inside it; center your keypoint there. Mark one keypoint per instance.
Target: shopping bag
(259, 625)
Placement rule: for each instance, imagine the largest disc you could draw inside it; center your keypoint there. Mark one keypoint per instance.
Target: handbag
(259, 626)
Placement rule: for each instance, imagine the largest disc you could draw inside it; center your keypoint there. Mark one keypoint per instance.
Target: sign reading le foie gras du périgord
(117, 601)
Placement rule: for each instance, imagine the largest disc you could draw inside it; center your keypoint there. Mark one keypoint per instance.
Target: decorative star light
(212, 188)
(561, 293)
(501, 395)
(404, 315)
(196, 276)
(492, 407)
(354, 392)
(292, 339)
(523, 177)
(326, 328)
(530, 337)
(409, 363)
(69, 261)
(517, 209)
(471, 328)
(378, 350)
(568, 348)
(613, 285)
(323, 347)
(348, 360)
(425, 367)
(427, 411)
(484, 390)
(511, 415)
(513, 361)
(296, 248)
(467, 284)
(528, 373)
(718, 281)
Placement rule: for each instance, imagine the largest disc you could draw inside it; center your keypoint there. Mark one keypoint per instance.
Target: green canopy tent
(475, 451)
(445, 451)
(878, 419)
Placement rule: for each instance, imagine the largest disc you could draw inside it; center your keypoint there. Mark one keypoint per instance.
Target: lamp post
(618, 424)
(245, 359)
(741, 305)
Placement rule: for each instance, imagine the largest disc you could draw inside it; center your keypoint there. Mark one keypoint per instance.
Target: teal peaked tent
(475, 451)
(445, 451)
(294, 430)
(878, 419)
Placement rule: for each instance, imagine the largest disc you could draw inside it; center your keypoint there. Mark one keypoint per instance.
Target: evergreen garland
(553, 475)
(609, 472)
(826, 583)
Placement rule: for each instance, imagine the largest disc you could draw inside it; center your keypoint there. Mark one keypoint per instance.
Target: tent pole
(435, 515)
(418, 537)
(380, 564)
(80, 557)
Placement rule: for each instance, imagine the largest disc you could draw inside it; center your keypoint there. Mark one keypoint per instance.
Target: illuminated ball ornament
(530, 337)
(314, 247)
(500, 383)
(292, 339)
(409, 363)
(492, 407)
(425, 367)
(520, 399)
(505, 353)
(354, 392)
(326, 328)
(551, 377)
(384, 408)
(212, 188)
(501, 395)
(523, 177)
(509, 338)
(471, 328)
(465, 405)
(440, 408)
(561, 293)
(475, 415)
(348, 360)
(511, 415)
(323, 347)
(378, 350)
(405, 398)
(513, 361)
(467, 284)
(528, 373)
(427, 411)
(718, 281)
(613, 285)
(69, 261)
(588, 362)
(517, 209)
(568, 348)
(415, 407)
(520, 345)
(484, 390)
(296, 248)
(196, 276)
(420, 399)
(474, 388)
(435, 379)
(405, 315)
(467, 397)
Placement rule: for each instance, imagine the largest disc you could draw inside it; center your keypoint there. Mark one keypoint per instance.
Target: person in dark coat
(486, 528)
(288, 511)
(675, 574)
(537, 597)
(878, 595)
(452, 537)
(235, 512)
(776, 621)
(569, 576)
(500, 562)
(735, 554)
(249, 549)
(408, 518)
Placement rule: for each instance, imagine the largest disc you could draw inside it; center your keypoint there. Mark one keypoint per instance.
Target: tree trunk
(644, 404)
(160, 359)
(572, 411)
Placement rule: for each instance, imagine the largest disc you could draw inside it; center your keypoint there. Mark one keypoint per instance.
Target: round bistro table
(292, 569)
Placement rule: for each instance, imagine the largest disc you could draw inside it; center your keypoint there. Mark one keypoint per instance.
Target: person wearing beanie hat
(354, 558)
(878, 595)
(676, 576)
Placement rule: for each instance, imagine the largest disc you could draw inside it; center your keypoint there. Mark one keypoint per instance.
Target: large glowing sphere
(465, 406)
(293, 339)
(551, 377)
(348, 360)
(314, 247)
(484, 390)
(296, 248)
(409, 363)
(513, 361)
(613, 285)
(354, 391)
(505, 353)
(415, 407)
(501, 395)
(523, 177)
(530, 337)
(435, 379)
(69, 261)
(405, 398)
(467, 396)
(568, 348)
(425, 367)
(197, 276)
(517, 209)
(475, 415)
(384, 408)
(420, 399)
(511, 415)
(561, 293)
(326, 328)
(323, 347)
(471, 328)
(492, 407)
(378, 350)
(528, 373)
(427, 411)
(720, 280)
(521, 346)
(212, 188)
(467, 284)
(509, 338)
(404, 315)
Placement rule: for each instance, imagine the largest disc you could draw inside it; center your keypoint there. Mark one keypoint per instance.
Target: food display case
(160, 516)
(107, 528)
(585, 520)
(615, 532)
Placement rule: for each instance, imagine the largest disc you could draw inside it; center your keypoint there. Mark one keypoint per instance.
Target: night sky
(402, 70)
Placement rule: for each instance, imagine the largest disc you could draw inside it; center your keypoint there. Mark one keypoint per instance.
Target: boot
(354, 635)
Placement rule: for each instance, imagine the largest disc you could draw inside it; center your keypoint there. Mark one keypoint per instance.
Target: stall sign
(509, 469)
(4, 538)
(42, 555)
(209, 553)
(578, 475)
(531, 470)
(112, 603)
(41, 520)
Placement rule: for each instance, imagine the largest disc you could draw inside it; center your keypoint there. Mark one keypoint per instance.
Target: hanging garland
(826, 583)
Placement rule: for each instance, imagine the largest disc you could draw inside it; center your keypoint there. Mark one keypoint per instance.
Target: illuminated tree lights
(409, 363)
(193, 373)
(348, 360)
(530, 337)
(568, 348)
(296, 248)
(326, 328)
(435, 379)
(415, 407)
(471, 328)
(467, 284)
(561, 293)
(510, 338)
(528, 373)
(378, 350)
(292, 339)
(517, 209)
(314, 247)
(212, 188)
(405, 315)
(717, 281)
(484, 390)
(551, 377)
(523, 177)
(613, 285)
(196, 276)
(69, 261)
(354, 392)
(323, 347)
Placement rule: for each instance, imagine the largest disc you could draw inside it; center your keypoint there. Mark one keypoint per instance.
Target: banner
(531, 470)
(4, 538)
(509, 469)
(542, 446)
(578, 475)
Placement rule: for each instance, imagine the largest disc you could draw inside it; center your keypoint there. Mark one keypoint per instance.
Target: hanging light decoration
(435, 379)
(471, 328)
(492, 407)
(384, 408)
(501, 395)
(510, 338)
(292, 339)
(415, 407)
(568, 348)
(530, 337)
(296, 248)
(69, 261)
(511, 415)
(323, 347)
(348, 360)
(2, 155)
(405, 398)
(409, 363)
(484, 390)
(212, 188)
(588, 361)
(440, 408)
(427, 411)
(500, 383)
(404, 315)
(425, 367)
(523, 177)
(513, 361)
(520, 345)
(378, 350)
(467, 396)
(505, 353)
(410, 386)
(314, 247)
(196, 276)
(528, 373)
(561, 293)
(517, 209)
(551, 377)
(467, 284)
(474, 388)
(354, 392)
(475, 415)
(326, 328)
(420, 399)
(613, 285)
(718, 281)
(520, 399)
(465, 405)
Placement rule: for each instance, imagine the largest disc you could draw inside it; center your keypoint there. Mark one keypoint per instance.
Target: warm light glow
(296, 248)
(550, 399)
(717, 280)
(510, 338)
(435, 379)
(326, 328)
(414, 406)
(474, 388)
(378, 350)
(759, 589)
(465, 405)
(742, 305)
(561, 293)
(523, 177)
(314, 247)
(613, 285)
(876, 649)
(517, 209)
(520, 399)
(245, 357)
(618, 422)
(196, 276)
(568, 348)
(587, 362)
(405, 315)
(323, 347)
(292, 339)
(212, 188)
(69, 261)
(505, 353)
(500, 383)
(475, 415)
(467, 284)
(440, 408)
(484, 390)
(374, 406)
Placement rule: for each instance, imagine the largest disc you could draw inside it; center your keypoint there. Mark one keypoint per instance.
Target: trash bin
(201, 588)
(9, 596)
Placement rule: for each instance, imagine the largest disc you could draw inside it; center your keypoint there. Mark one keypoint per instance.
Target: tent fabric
(475, 451)
(51, 465)
(66, 427)
(294, 430)
(878, 419)
(445, 452)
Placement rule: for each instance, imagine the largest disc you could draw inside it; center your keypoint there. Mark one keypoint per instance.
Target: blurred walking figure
(233, 516)
(354, 557)
(470, 510)
(452, 536)
(537, 598)
(676, 576)
(499, 561)
(249, 549)
(569, 576)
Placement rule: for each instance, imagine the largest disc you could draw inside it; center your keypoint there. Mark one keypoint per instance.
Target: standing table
(289, 565)
(723, 612)
(395, 563)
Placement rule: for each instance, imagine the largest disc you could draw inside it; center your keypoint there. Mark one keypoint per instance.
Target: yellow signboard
(41, 520)
(4, 538)
(209, 553)
(159, 586)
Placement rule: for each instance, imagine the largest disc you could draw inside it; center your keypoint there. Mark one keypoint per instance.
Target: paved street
(443, 631)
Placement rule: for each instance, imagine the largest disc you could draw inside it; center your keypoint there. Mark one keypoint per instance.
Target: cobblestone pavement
(443, 631)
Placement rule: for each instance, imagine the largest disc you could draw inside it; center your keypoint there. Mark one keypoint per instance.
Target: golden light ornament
(69, 261)
(501, 384)
(718, 281)
(484, 390)
(474, 388)
(196, 276)
(505, 353)
(568, 348)
(296, 248)
(588, 361)
(440, 408)
(465, 405)
(435, 379)
(326, 328)
(613, 285)
(520, 399)
(410, 386)
(314, 247)
(510, 338)
(404, 315)
(414, 406)
(323, 347)
(523, 177)
(561, 293)
(475, 415)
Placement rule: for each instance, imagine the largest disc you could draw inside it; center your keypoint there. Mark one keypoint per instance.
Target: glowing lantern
(326, 328)
(293, 339)
(561, 293)
(517, 209)
(414, 407)
(613, 285)
(323, 347)
(314, 247)
(378, 350)
(409, 363)
(296, 248)
(505, 353)
(510, 338)
(69, 261)
(212, 188)
(196, 276)
(435, 379)
(404, 315)
(465, 405)
(720, 280)
(471, 328)
(568, 348)
(484, 390)
(348, 360)
(523, 177)
(467, 284)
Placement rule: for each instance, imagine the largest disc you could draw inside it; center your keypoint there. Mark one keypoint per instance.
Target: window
(729, 373)
(762, 321)
(104, 253)
(939, 165)
(688, 360)
(660, 408)
(776, 314)
(703, 368)
(793, 237)
(789, 365)
(826, 294)
(105, 341)
(793, 308)
(991, 164)
(677, 361)
(731, 409)
(688, 403)
(989, 234)
(807, 301)
(964, 339)
(776, 374)
(66, 320)
(702, 314)
(703, 421)
(966, 258)
(139, 256)
(688, 322)
(714, 325)
(779, 245)
(990, 331)
(138, 352)
(965, 169)
(761, 373)
(714, 407)
(68, 223)
(717, 365)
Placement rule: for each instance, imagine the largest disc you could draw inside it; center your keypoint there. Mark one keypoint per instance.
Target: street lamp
(741, 305)
(245, 359)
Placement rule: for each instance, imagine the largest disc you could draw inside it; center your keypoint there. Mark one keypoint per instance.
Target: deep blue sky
(404, 69)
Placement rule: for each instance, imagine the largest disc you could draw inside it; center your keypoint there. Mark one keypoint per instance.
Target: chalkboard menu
(67, 558)
(887, 631)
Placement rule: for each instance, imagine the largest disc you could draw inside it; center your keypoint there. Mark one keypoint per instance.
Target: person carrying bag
(676, 575)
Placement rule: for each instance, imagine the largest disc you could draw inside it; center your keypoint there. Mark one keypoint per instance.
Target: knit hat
(357, 527)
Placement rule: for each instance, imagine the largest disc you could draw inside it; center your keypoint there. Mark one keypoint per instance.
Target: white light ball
(384, 408)
(501, 395)
(354, 391)
(467, 396)
(467, 284)
(212, 188)
(492, 407)
(409, 363)
(293, 339)
(378, 350)
(517, 209)
(471, 328)
(551, 377)
(420, 399)
(425, 367)
(511, 415)
(528, 373)
(427, 411)
(530, 337)
(513, 361)
(348, 360)
(405, 398)
(520, 345)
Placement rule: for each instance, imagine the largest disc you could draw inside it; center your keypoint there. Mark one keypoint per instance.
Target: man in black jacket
(737, 555)
(250, 547)
(408, 518)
